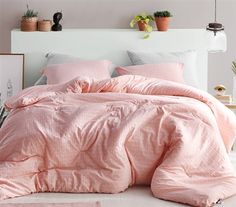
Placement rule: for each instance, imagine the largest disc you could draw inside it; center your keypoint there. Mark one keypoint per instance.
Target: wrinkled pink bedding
(104, 136)
(84, 204)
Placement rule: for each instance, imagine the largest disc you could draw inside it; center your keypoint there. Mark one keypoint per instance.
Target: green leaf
(150, 17)
(234, 64)
(148, 28)
(146, 36)
(30, 12)
(143, 15)
(132, 23)
(146, 21)
(234, 67)
(137, 18)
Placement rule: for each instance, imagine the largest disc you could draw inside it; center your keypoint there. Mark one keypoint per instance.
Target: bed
(140, 127)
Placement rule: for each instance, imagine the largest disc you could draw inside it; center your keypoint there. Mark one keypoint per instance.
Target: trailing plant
(30, 13)
(146, 19)
(162, 14)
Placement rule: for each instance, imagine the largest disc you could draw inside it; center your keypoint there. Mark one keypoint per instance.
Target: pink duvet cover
(104, 136)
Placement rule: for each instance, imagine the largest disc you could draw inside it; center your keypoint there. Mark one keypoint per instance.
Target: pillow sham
(166, 71)
(56, 58)
(62, 73)
(188, 58)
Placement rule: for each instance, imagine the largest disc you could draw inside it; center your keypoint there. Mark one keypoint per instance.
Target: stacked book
(225, 99)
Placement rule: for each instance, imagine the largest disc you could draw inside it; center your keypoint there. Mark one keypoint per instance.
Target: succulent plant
(30, 13)
(162, 14)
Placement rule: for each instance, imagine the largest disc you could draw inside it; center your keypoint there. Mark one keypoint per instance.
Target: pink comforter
(103, 136)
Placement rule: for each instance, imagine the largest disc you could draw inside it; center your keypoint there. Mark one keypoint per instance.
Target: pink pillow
(62, 73)
(166, 71)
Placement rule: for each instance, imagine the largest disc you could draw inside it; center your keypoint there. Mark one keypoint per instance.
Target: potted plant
(29, 20)
(143, 21)
(162, 19)
(234, 80)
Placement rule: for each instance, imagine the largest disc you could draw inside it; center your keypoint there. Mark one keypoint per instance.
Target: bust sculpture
(56, 19)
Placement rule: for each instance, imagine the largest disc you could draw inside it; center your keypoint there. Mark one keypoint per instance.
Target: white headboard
(110, 44)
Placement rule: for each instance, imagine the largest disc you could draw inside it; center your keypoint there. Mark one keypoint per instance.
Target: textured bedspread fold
(104, 136)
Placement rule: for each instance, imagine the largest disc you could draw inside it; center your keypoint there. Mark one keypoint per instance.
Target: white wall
(117, 14)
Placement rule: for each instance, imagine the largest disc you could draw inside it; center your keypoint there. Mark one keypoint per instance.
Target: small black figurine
(56, 19)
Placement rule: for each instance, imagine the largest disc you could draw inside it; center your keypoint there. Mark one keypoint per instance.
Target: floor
(136, 196)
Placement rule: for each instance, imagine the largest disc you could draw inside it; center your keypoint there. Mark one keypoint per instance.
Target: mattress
(137, 196)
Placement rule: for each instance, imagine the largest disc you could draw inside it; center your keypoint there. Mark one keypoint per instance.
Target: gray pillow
(188, 58)
(56, 58)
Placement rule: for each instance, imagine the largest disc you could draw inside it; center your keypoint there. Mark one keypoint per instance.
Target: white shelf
(110, 44)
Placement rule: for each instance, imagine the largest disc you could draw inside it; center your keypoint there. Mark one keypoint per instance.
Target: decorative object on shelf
(225, 99)
(220, 90)
(220, 95)
(216, 36)
(29, 20)
(143, 21)
(231, 106)
(56, 19)
(11, 79)
(162, 19)
(44, 25)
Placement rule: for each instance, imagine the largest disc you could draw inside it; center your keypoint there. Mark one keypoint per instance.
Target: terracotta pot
(29, 24)
(142, 25)
(162, 23)
(44, 25)
(30, 19)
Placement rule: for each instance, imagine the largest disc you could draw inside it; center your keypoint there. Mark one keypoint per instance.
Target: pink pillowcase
(166, 71)
(62, 73)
